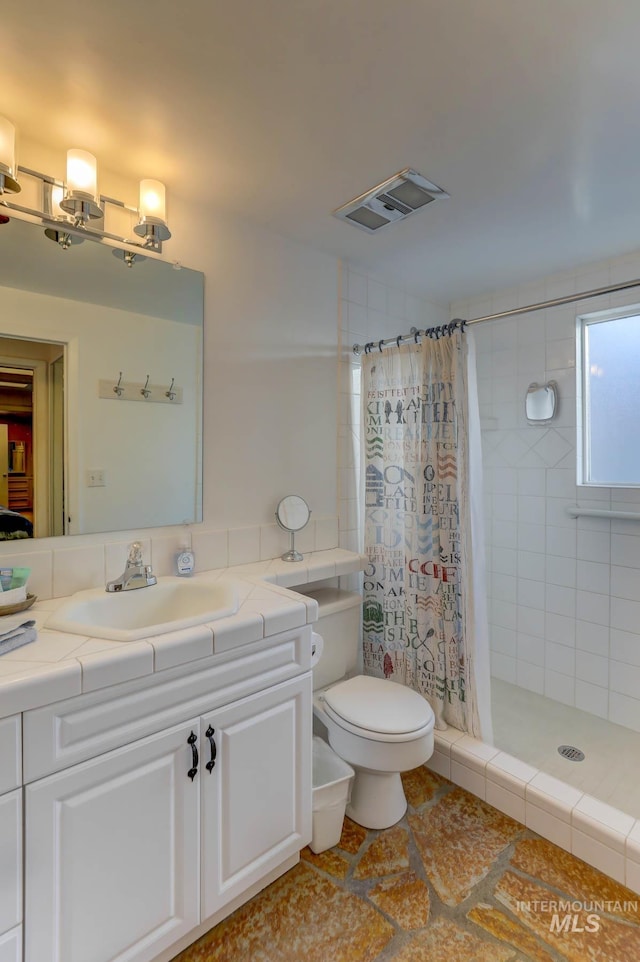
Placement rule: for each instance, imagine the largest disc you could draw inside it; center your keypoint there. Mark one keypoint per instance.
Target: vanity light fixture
(54, 194)
(153, 214)
(81, 198)
(74, 210)
(129, 257)
(8, 167)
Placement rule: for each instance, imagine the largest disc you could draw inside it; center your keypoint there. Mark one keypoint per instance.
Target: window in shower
(609, 399)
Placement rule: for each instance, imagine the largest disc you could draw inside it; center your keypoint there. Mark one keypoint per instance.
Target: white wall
(270, 371)
(564, 593)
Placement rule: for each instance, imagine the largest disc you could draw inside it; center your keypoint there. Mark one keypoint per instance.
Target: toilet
(379, 727)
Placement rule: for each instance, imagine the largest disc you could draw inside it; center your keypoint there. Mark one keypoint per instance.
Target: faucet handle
(135, 554)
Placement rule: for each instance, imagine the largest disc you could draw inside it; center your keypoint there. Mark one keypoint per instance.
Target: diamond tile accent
(552, 448)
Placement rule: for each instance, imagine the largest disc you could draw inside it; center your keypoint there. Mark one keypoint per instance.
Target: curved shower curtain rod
(459, 322)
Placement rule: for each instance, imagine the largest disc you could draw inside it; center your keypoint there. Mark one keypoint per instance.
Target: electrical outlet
(96, 478)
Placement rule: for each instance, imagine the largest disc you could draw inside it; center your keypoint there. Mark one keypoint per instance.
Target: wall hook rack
(140, 391)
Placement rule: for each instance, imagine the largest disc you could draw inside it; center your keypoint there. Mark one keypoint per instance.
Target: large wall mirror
(76, 455)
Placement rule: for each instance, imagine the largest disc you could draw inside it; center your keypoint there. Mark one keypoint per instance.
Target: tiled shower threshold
(596, 832)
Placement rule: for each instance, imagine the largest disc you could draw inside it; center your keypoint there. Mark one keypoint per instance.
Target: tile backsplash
(88, 563)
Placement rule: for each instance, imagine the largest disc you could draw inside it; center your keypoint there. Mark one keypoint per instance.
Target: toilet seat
(379, 710)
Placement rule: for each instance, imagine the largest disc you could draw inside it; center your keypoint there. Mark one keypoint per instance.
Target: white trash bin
(332, 779)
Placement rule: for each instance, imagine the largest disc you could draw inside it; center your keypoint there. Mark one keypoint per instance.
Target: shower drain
(573, 754)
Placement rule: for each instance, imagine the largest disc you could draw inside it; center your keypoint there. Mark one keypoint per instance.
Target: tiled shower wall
(564, 594)
(370, 309)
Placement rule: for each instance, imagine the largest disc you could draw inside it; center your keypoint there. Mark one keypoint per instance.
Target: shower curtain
(424, 605)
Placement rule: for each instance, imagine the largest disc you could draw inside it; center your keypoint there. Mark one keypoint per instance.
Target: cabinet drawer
(11, 945)
(19, 485)
(11, 852)
(20, 492)
(10, 753)
(79, 728)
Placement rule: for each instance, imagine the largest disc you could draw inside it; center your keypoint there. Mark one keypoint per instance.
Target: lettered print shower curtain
(424, 591)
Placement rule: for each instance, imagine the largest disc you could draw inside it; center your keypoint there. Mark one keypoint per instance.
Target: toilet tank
(339, 624)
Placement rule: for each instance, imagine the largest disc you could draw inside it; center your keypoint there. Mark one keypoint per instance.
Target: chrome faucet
(135, 575)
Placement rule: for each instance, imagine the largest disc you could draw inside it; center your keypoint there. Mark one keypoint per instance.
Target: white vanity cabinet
(11, 945)
(256, 789)
(128, 851)
(10, 839)
(117, 840)
(10, 862)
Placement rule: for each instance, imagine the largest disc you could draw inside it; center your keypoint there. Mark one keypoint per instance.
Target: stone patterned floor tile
(353, 837)
(367, 900)
(444, 941)
(387, 854)
(458, 841)
(301, 916)
(544, 860)
(330, 861)
(586, 939)
(405, 898)
(421, 785)
(505, 929)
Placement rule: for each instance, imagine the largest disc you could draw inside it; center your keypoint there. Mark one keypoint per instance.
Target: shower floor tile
(454, 881)
(532, 727)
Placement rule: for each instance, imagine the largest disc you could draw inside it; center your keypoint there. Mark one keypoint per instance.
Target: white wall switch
(96, 478)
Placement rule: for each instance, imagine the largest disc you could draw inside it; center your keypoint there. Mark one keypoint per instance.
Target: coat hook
(145, 392)
(118, 389)
(170, 393)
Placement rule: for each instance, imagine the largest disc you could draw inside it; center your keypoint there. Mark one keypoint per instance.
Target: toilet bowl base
(377, 798)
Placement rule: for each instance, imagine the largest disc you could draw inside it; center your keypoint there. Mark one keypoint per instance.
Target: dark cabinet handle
(210, 732)
(193, 771)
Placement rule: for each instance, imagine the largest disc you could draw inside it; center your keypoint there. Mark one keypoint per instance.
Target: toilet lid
(378, 705)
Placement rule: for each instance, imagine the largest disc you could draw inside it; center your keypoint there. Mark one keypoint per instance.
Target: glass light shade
(153, 204)
(7, 147)
(82, 173)
(57, 193)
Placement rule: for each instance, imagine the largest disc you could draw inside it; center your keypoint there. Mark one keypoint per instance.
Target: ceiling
(278, 112)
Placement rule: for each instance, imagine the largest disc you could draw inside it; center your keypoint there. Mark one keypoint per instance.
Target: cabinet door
(256, 799)
(112, 854)
(11, 945)
(10, 753)
(10, 860)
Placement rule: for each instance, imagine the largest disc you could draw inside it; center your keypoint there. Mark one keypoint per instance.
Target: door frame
(41, 434)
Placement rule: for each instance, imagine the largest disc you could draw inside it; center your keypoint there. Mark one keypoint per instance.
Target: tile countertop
(60, 665)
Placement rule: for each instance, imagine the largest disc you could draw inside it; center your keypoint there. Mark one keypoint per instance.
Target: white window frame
(584, 321)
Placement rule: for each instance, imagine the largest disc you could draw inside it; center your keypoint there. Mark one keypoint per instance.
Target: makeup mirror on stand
(292, 514)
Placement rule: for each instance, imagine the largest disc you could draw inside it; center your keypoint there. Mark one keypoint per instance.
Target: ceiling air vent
(392, 200)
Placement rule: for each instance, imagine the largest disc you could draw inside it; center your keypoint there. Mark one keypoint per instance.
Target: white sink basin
(169, 605)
